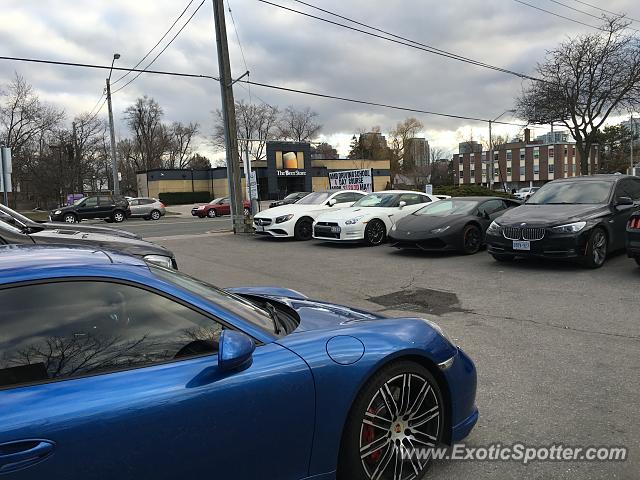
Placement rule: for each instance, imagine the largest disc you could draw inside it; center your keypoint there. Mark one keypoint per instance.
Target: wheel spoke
(389, 401)
(424, 417)
(412, 455)
(384, 462)
(417, 404)
(421, 464)
(397, 468)
(377, 421)
(423, 438)
(405, 394)
(373, 446)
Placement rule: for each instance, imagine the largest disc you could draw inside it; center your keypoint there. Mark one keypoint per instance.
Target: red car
(218, 207)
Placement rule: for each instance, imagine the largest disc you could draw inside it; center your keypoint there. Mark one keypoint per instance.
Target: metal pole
(4, 186)
(633, 131)
(490, 163)
(229, 117)
(114, 160)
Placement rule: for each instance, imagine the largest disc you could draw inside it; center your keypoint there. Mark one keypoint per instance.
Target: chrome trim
(446, 365)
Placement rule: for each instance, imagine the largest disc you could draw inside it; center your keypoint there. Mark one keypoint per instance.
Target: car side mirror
(484, 214)
(402, 204)
(624, 201)
(235, 350)
(332, 202)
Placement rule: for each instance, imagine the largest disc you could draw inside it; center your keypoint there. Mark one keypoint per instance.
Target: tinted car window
(105, 200)
(134, 203)
(448, 207)
(580, 192)
(47, 333)
(346, 197)
(414, 198)
(379, 200)
(631, 188)
(91, 202)
(147, 201)
(492, 206)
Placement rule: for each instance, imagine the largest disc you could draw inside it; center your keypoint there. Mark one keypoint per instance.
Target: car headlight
(57, 212)
(441, 229)
(354, 220)
(569, 228)
(161, 260)
(494, 228)
(439, 329)
(284, 218)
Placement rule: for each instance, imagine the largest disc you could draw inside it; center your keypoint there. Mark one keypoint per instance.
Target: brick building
(523, 163)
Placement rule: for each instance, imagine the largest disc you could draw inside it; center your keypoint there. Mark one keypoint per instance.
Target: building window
(472, 173)
(552, 152)
(552, 168)
(522, 171)
(508, 171)
(566, 168)
(496, 156)
(509, 154)
(536, 169)
(522, 156)
(536, 153)
(574, 168)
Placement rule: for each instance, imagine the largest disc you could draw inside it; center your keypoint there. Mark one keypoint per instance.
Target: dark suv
(112, 208)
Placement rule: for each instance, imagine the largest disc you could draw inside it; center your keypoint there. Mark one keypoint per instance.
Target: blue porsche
(114, 368)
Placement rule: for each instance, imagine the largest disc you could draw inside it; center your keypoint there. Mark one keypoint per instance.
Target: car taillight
(162, 205)
(634, 223)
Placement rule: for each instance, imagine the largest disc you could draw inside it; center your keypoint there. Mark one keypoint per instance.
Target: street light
(490, 163)
(114, 160)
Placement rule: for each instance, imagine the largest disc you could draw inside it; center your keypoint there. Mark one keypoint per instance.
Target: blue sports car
(114, 368)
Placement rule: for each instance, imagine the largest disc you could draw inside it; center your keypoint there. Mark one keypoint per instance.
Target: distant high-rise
(469, 147)
(416, 152)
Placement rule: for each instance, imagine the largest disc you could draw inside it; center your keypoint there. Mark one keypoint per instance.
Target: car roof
(481, 198)
(400, 191)
(28, 257)
(609, 177)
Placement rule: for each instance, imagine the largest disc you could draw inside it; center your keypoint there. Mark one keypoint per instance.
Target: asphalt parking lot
(556, 346)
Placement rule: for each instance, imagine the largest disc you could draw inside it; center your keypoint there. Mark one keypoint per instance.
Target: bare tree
(400, 135)
(298, 125)
(256, 125)
(180, 144)
(144, 118)
(585, 80)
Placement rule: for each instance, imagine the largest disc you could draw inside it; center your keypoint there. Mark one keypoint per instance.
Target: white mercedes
(296, 219)
(370, 218)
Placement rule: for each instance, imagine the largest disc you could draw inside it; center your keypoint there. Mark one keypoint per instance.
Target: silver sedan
(147, 208)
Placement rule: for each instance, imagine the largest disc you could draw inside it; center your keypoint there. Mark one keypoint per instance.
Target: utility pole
(229, 119)
(114, 159)
(490, 162)
(633, 134)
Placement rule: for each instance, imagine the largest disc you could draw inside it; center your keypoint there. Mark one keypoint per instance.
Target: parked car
(291, 198)
(580, 217)
(15, 232)
(458, 223)
(296, 220)
(105, 357)
(370, 218)
(112, 208)
(14, 218)
(633, 237)
(217, 208)
(147, 208)
(526, 192)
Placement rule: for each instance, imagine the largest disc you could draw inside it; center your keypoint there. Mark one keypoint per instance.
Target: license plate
(336, 229)
(259, 228)
(522, 245)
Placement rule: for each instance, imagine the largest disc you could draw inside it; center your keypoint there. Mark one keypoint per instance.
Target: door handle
(23, 453)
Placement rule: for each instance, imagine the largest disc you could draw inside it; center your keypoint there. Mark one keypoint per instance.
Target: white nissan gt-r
(296, 219)
(370, 218)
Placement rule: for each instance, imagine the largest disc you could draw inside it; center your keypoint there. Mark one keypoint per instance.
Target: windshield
(444, 208)
(79, 201)
(315, 198)
(233, 304)
(215, 200)
(18, 217)
(582, 192)
(291, 196)
(379, 200)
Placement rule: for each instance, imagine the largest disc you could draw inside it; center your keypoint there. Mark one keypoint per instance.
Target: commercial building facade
(288, 168)
(521, 164)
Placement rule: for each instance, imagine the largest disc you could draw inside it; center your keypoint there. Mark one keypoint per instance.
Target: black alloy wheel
(303, 229)
(375, 233)
(395, 422)
(596, 252)
(471, 240)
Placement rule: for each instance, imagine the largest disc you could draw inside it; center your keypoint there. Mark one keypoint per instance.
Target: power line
(399, 40)
(107, 67)
(264, 85)
(163, 50)
(159, 41)
(557, 14)
(244, 60)
(605, 10)
(97, 103)
(583, 12)
(91, 117)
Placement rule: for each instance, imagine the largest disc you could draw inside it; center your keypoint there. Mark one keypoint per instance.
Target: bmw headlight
(439, 329)
(284, 218)
(161, 260)
(569, 228)
(494, 228)
(57, 212)
(354, 220)
(441, 229)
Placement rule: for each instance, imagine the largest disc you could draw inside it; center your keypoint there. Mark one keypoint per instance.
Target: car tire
(212, 213)
(217, 213)
(471, 240)
(596, 251)
(503, 257)
(378, 418)
(118, 216)
(70, 218)
(155, 215)
(303, 229)
(375, 233)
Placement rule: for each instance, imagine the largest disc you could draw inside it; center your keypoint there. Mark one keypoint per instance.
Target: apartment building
(521, 164)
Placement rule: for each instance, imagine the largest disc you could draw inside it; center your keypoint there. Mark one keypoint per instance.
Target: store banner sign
(352, 180)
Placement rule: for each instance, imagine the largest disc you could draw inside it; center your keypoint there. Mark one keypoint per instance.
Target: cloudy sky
(286, 49)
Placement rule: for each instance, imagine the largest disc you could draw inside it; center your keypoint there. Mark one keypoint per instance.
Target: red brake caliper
(368, 436)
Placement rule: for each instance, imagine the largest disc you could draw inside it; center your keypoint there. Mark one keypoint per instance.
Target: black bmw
(580, 217)
(457, 223)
